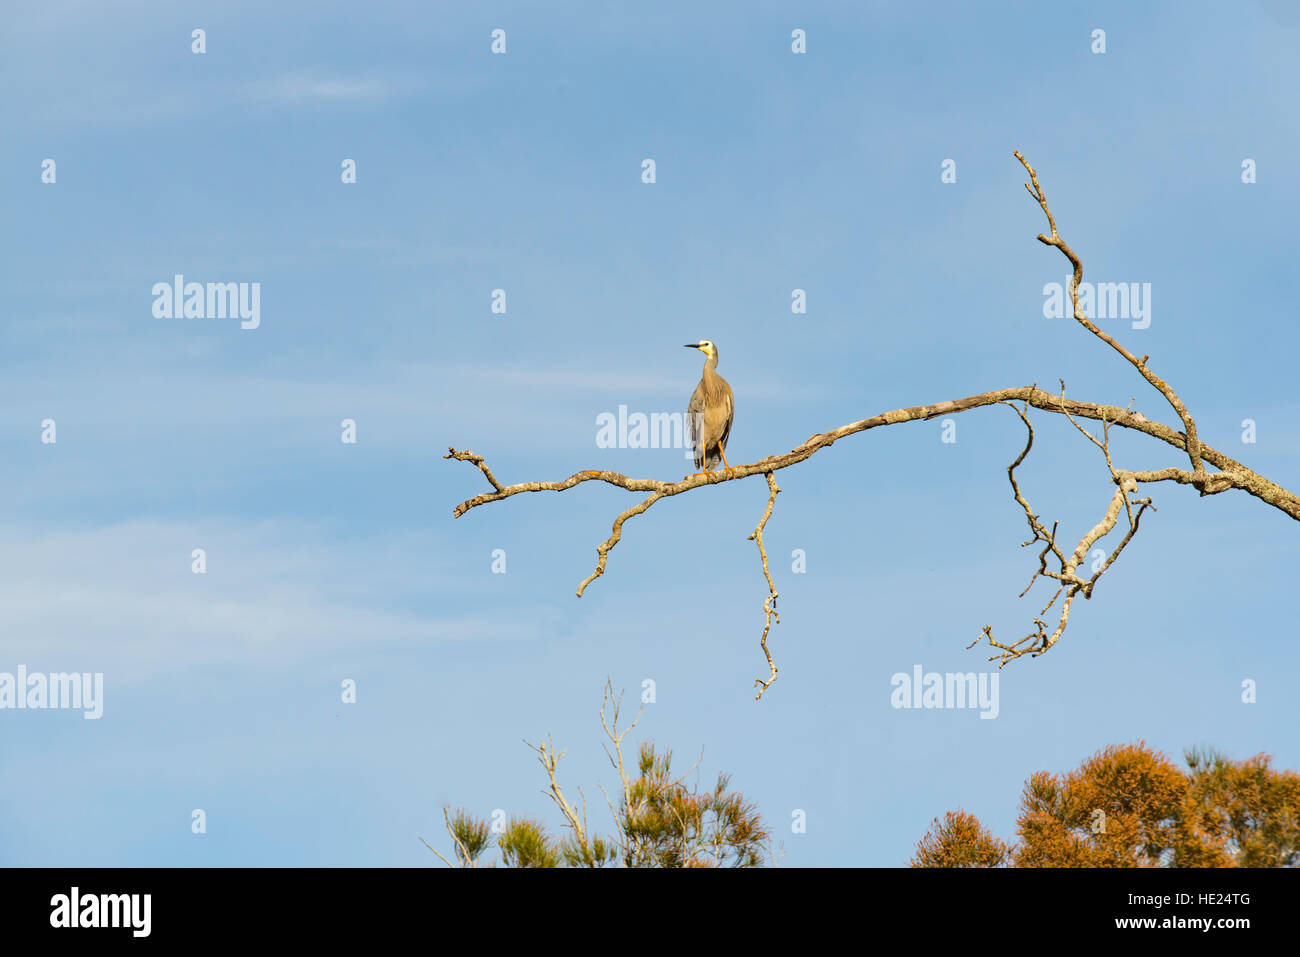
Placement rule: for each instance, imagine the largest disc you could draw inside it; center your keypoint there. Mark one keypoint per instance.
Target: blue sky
(329, 561)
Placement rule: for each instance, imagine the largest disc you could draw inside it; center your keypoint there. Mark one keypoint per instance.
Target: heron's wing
(731, 416)
(694, 423)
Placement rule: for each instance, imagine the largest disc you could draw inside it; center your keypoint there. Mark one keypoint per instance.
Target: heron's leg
(723, 453)
(704, 462)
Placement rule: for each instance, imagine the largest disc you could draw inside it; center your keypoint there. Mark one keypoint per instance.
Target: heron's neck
(711, 367)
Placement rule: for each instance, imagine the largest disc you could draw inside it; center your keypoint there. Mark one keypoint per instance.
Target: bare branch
(1189, 426)
(610, 726)
(462, 851)
(435, 850)
(477, 460)
(1039, 641)
(1249, 481)
(769, 603)
(602, 550)
(548, 759)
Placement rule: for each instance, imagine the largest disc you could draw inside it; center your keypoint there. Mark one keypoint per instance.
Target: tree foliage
(1130, 806)
(960, 840)
(659, 820)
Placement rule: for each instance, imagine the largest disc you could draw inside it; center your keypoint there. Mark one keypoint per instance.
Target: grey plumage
(710, 412)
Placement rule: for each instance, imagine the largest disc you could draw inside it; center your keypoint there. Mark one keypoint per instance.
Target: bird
(710, 412)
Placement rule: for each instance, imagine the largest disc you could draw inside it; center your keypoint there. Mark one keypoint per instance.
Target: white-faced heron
(710, 412)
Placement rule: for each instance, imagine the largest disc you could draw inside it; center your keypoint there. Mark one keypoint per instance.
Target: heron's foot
(590, 472)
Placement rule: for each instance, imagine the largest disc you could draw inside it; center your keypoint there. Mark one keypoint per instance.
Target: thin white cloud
(124, 599)
(125, 102)
(530, 396)
(301, 87)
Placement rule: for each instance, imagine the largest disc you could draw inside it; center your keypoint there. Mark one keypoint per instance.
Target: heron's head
(705, 346)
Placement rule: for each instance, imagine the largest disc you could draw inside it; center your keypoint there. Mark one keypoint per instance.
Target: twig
(769, 603)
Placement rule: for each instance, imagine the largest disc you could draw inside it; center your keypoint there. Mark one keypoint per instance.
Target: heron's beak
(692, 345)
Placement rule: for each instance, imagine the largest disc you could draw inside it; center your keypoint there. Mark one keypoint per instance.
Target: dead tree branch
(1039, 641)
(1189, 426)
(1231, 474)
(769, 603)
